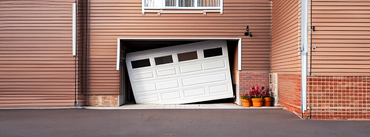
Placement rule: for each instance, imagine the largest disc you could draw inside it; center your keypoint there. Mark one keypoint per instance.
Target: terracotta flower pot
(267, 101)
(246, 103)
(257, 102)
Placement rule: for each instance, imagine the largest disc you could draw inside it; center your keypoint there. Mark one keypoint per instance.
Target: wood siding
(285, 37)
(342, 37)
(37, 68)
(112, 19)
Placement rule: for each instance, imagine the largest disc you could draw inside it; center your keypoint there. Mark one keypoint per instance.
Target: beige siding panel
(37, 68)
(112, 19)
(342, 37)
(285, 36)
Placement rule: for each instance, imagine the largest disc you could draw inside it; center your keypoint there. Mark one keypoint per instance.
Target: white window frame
(203, 10)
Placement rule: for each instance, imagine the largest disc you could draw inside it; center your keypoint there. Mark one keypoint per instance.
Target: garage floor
(184, 106)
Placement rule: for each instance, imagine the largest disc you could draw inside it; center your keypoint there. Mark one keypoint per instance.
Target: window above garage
(182, 6)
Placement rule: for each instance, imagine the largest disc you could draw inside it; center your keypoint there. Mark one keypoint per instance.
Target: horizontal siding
(112, 19)
(342, 37)
(36, 64)
(285, 37)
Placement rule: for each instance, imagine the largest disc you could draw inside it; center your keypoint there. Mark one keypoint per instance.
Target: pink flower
(257, 88)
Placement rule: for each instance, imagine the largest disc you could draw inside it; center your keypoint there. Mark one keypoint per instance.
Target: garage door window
(187, 56)
(140, 63)
(163, 60)
(212, 52)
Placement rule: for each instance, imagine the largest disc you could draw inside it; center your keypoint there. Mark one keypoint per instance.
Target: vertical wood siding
(112, 19)
(342, 37)
(285, 37)
(36, 64)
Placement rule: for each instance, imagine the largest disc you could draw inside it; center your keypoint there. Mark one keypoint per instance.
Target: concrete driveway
(186, 123)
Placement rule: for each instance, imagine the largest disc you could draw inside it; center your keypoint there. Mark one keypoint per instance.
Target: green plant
(245, 96)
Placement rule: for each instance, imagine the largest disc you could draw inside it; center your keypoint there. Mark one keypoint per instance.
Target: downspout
(87, 51)
(74, 44)
(304, 46)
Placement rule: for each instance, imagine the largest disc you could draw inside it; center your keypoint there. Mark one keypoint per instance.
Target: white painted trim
(240, 54)
(179, 38)
(212, 9)
(188, 8)
(177, 6)
(181, 11)
(239, 46)
(237, 92)
(221, 6)
(118, 53)
(142, 7)
(74, 29)
(304, 46)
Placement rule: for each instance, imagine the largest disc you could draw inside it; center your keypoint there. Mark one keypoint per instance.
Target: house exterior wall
(285, 52)
(250, 79)
(341, 38)
(338, 87)
(112, 19)
(37, 68)
(289, 92)
(339, 97)
(339, 65)
(286, 37)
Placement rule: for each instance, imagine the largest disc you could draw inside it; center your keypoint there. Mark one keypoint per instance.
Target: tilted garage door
(181, 74)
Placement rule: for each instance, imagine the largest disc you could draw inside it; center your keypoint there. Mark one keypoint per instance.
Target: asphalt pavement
(162, 123)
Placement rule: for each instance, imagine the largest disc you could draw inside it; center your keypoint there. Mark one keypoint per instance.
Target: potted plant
(245, 100)
(266, 98)
(256, 96)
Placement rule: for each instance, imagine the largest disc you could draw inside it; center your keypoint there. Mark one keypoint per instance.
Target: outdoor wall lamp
(248, 33)
(313, 28)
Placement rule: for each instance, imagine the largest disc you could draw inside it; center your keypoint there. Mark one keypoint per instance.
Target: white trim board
(202, 78)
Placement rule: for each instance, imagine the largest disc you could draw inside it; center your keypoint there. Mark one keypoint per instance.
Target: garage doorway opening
(129, 45)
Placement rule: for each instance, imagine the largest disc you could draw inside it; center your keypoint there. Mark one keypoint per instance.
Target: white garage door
(181, 74)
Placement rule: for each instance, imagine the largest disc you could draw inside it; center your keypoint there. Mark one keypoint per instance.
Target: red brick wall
(103, 100)
(334, 97)
(289, 92)
(248, 79)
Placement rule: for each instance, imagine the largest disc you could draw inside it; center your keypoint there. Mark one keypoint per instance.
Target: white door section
(181, 74)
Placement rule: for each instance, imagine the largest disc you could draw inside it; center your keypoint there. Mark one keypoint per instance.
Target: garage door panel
(166, 72)
(218, 89)
(194, 92)
(214, 65)
(167, 84)
(181, 74)
(145, 87)
(143, 75)
(191, 68)
(171, 95)
(203, 79)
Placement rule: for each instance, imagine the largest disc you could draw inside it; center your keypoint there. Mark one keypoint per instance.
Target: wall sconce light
(248, 33)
